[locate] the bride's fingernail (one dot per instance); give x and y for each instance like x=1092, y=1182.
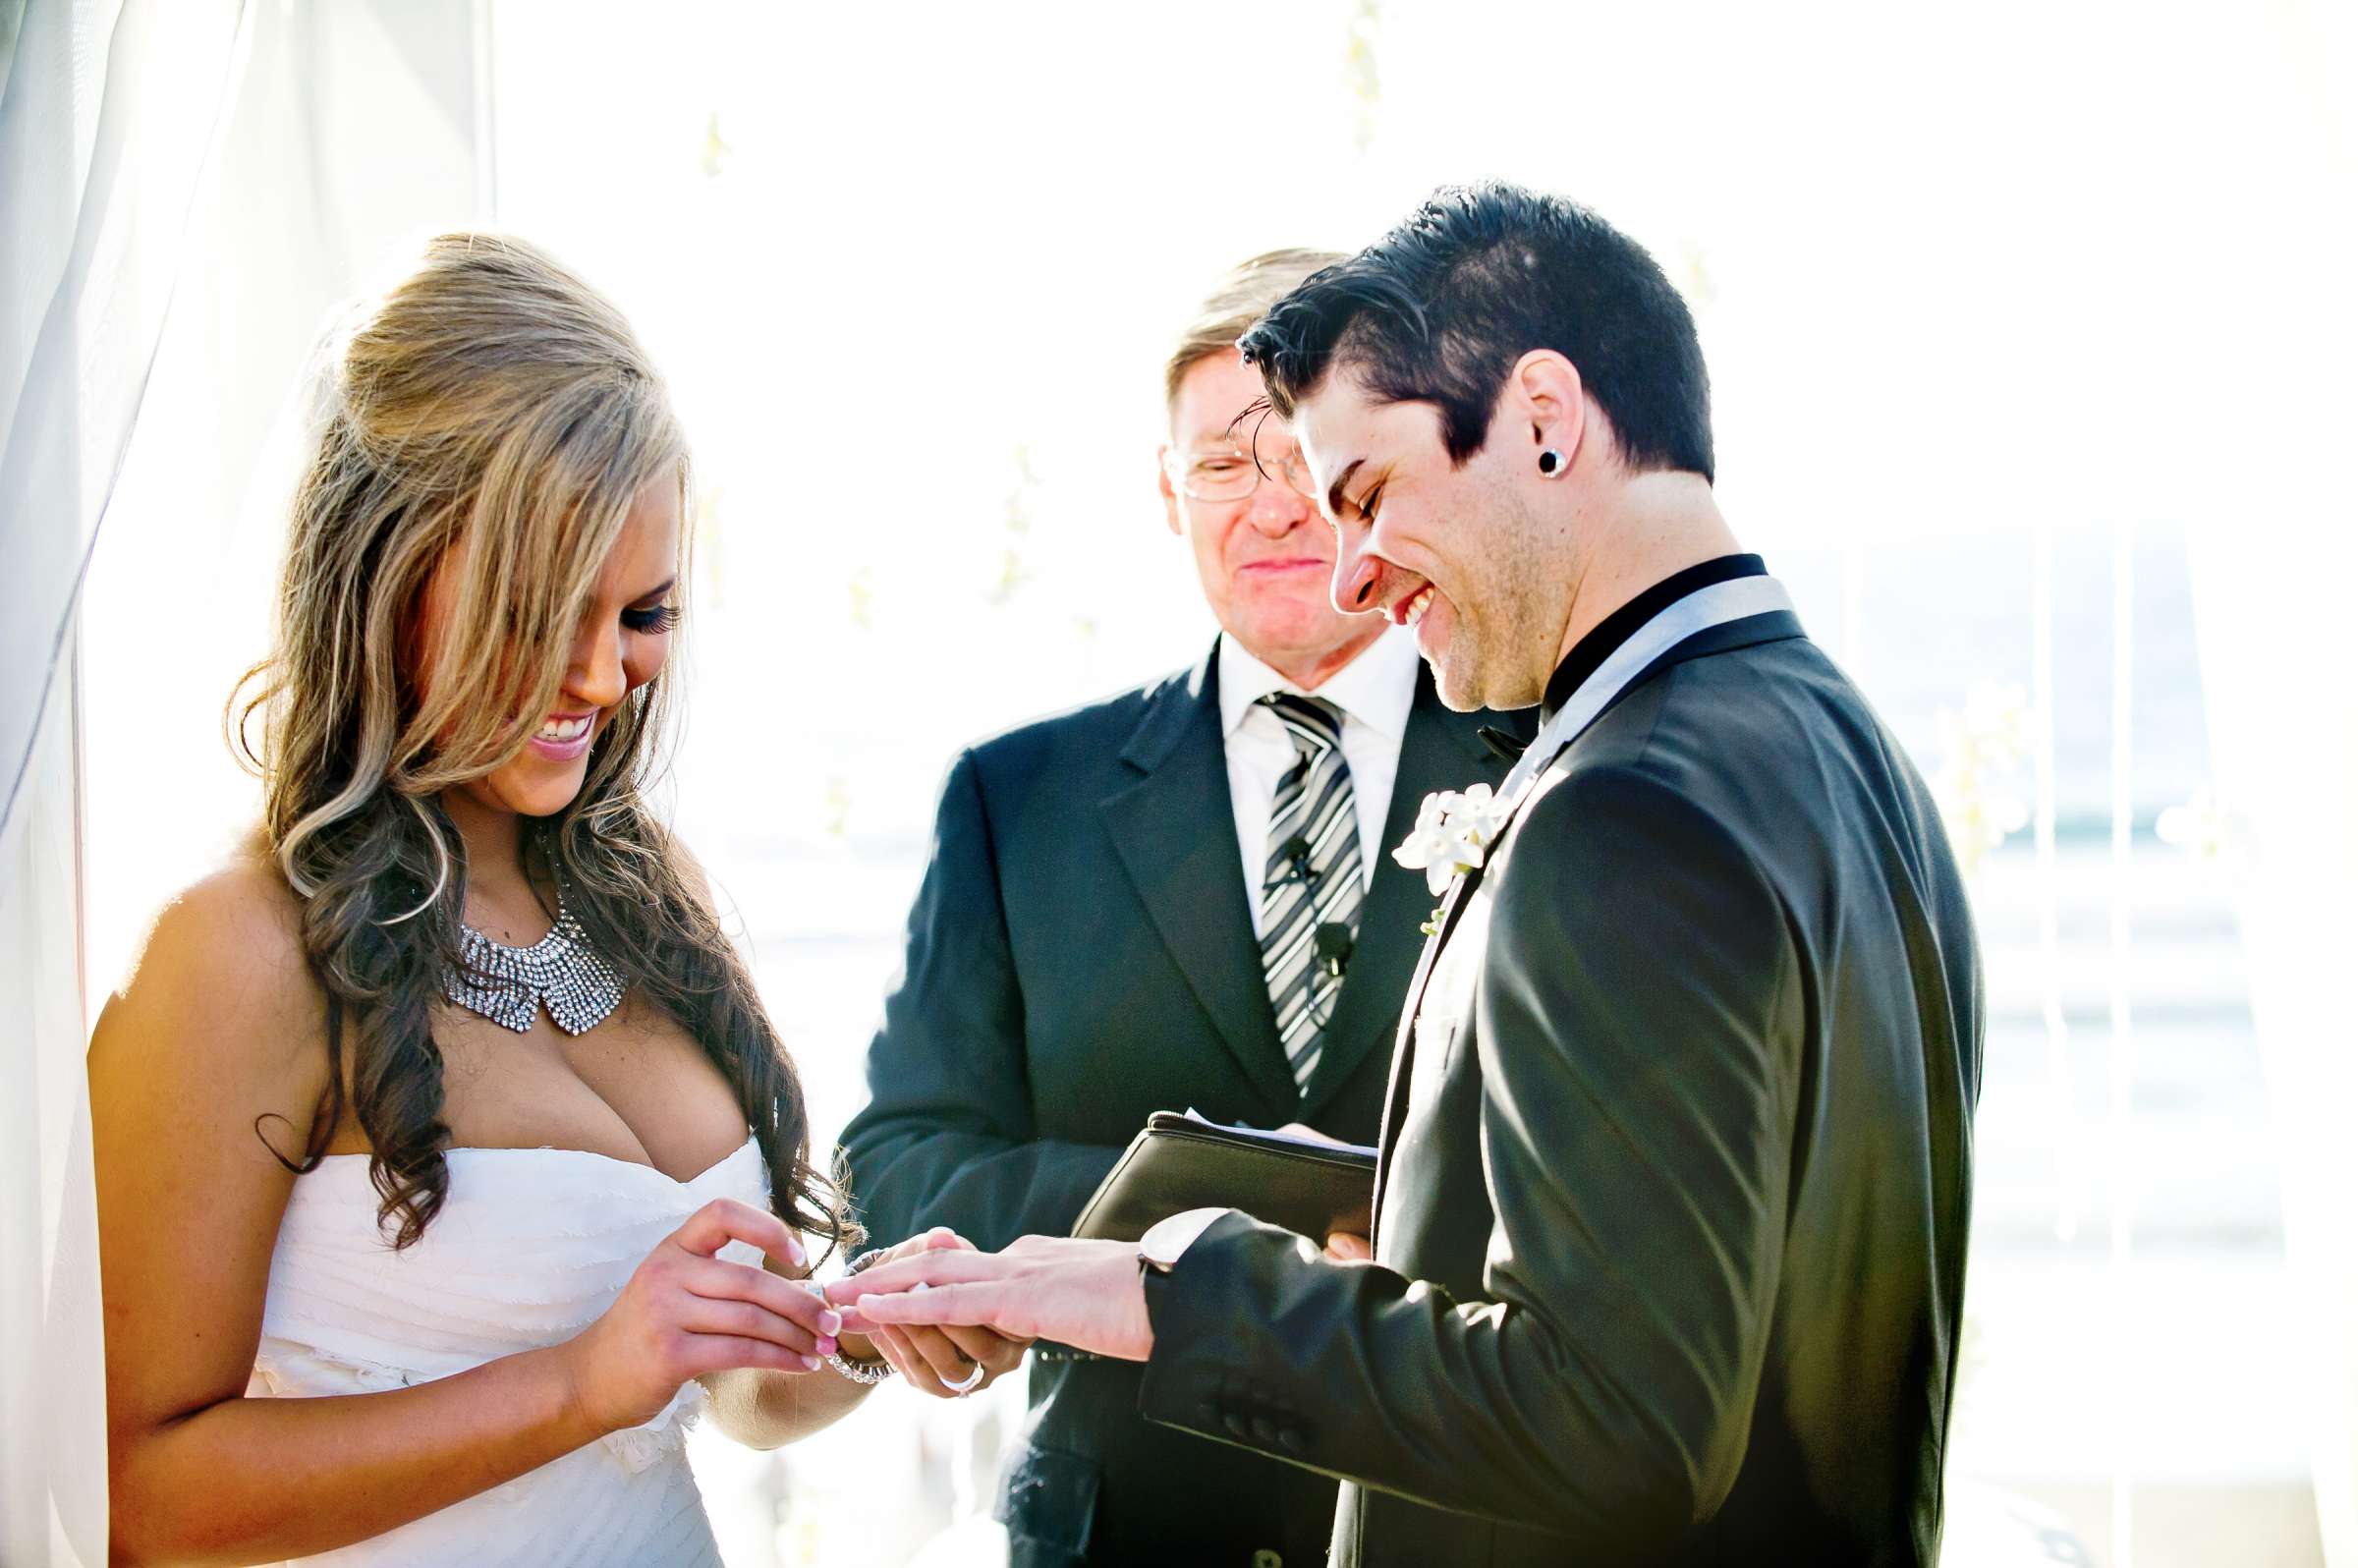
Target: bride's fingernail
x=796, y=1253
x=830, y=1322
x=810, y=1364
x=826, y=1344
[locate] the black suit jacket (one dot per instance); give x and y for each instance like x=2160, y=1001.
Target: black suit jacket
x=1672, y=1212
x=1079, y=955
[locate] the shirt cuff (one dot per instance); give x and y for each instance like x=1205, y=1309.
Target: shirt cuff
x=1166, y=1239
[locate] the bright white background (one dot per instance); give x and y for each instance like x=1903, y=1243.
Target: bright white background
x=1963, y=279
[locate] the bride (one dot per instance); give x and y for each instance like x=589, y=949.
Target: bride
x=442, y=1136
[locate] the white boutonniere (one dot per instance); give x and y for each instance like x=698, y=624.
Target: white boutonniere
x=1454, y=829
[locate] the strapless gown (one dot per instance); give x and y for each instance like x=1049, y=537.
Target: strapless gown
x=531, y=1246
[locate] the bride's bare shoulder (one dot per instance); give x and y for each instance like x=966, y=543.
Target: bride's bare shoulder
x=222, y=969
x=238, y=923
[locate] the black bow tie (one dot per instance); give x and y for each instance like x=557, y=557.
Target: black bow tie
x=1504, y=745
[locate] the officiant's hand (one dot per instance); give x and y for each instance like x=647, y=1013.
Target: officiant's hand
x=1086, y=1294
x=1343, y=1246
x=936, y=1361
x=1349, y=1247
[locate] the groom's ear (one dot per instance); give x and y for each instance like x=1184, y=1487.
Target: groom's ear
x=1544, y=399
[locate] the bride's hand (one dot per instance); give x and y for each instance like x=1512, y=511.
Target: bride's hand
x=935, y=1361
x=686, y=1313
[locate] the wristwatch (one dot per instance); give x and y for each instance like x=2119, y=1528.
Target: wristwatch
x=1159, y=1248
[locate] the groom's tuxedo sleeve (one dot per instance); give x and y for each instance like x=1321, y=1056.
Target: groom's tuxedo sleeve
x=948, y=1138
x=1638, y=1019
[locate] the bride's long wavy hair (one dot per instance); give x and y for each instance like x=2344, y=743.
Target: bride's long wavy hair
x=493, y=404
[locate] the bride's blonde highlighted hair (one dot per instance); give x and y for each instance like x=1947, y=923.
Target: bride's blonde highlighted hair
x=492, y=405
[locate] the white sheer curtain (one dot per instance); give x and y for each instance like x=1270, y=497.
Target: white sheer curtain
x=2275, y=560
x=187, y=185
x=108, y=115
x=2273, y=629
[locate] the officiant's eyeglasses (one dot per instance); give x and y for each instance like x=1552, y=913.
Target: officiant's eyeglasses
x=1231, y=475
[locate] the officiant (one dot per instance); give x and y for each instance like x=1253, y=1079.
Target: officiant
x=1181, y=897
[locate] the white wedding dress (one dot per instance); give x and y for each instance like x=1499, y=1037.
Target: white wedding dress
x=531, y=1246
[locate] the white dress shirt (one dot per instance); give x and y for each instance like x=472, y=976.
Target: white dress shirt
x=1375, y=691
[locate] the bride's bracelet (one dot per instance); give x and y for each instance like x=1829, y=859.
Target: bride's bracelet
x=860, y=1372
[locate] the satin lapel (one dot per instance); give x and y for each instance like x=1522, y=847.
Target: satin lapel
x=1404, y=1044
x=1774, y=626
x=1404, y=1040
x=1440, y=751
x=1176, y=834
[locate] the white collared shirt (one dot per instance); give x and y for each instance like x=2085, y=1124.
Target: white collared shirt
x=1375, y=691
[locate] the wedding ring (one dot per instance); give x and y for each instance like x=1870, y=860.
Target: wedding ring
x=967, y=1384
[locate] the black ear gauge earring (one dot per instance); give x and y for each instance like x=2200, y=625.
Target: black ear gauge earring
x=1552, y=463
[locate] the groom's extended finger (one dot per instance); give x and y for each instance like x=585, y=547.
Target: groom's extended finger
x=972, y=1306
x=722, y=1280
x=725, y=1219
x=935, y=1267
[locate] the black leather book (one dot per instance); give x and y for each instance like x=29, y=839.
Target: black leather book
x=1181, y=1162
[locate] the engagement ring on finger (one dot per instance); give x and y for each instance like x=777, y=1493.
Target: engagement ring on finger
x=967, y=1384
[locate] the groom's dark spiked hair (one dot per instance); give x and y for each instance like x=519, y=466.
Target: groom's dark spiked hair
x=1439, y=309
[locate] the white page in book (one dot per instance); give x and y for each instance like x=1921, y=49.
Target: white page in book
x=1280, y=1135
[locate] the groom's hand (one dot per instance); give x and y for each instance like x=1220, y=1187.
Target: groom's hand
x=940, y=1361
x=1086, y=1294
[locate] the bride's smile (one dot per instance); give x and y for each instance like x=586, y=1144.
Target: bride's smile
x=448, y=1161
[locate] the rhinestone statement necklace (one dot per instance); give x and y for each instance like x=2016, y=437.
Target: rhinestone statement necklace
x=509, y=985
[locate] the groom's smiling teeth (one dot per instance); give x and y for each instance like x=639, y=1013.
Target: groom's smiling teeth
x=1418, y=603
x=562, y=730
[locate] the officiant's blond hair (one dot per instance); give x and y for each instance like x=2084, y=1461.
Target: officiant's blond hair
x=1241, y=297
x=493, y=417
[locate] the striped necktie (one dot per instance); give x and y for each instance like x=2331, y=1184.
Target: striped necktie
x=1311, y=879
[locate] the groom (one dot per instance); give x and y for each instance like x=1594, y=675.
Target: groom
x=1671, y=1216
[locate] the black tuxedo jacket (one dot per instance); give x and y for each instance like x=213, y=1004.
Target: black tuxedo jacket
x=1079, y=955
x=1670, y=1239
